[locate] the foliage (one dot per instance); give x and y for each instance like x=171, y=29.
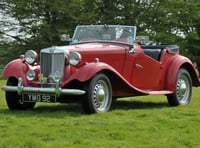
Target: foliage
x=41, y=22
x=9, y=52
x=133, y=122
x=37, y=24
x=193, y=36
x=34, y=24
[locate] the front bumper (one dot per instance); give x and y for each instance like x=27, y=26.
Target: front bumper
x=57, y=90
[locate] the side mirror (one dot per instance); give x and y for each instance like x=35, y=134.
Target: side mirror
x=65, y=37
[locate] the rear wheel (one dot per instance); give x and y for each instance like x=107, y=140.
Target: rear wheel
x=13, y=100
x=183, y=89
x=98, y=96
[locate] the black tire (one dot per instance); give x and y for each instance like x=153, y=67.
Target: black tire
x=183, y=89
x=13, y=100
x=98, y=96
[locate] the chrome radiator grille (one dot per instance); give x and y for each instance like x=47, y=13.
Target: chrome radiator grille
x=52, y=64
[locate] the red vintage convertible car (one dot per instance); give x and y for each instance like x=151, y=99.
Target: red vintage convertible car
x=103, y=62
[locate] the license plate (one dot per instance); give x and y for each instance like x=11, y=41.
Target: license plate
x=35, y=97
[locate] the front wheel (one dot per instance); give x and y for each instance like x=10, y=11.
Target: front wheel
x=98, y=96
x=183, y=89
x=13, y=100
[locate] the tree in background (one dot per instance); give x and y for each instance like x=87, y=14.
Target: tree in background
x=36, y=24
x=193, y=37
x=40, y=23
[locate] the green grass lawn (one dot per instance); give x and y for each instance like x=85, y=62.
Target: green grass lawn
x=133, y=122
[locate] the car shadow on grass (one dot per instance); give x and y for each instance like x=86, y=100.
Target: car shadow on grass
x=47, y=110
x=75, y=110
x=128, y=105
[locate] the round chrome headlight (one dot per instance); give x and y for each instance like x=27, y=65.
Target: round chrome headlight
x=31, y=56
x=74, y=58
x=30, y=75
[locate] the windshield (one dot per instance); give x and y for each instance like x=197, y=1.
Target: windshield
x=116, y=33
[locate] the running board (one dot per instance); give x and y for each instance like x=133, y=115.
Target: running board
x=162, y=92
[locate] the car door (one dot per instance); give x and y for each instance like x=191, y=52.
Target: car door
x=147, y=73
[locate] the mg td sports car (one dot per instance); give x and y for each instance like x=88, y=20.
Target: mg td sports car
x=101, y=63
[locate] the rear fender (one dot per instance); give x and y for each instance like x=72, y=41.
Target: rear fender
x=173, y=68
x=17, y=69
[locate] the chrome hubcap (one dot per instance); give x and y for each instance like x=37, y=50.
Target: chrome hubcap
x=101, y=95
x=183, y=89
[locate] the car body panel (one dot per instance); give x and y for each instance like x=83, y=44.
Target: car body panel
x=116, y=78
x=17, y=69
x=176, y=63
x=139, y=72
x=146, y=71
x=91, y=51
x=132, y=69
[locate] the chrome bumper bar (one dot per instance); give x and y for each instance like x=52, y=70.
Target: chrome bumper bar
x=57, y=90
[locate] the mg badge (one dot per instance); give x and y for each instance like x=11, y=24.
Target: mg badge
x=40, y=77
x=52, y=49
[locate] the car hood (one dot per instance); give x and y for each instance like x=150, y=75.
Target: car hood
x=109, y=53
x=85, y=48
x=103, y=47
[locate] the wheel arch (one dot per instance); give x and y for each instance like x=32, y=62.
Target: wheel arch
x=192, y=72
x=173, y=68
x=13, y=79
x=13, y=100
x=120, y=86
x=16, y=69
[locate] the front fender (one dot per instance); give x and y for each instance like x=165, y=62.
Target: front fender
x=173, y=68
x=17, y=69
x=87, y=71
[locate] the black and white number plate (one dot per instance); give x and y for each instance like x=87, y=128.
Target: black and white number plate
x=37, y=97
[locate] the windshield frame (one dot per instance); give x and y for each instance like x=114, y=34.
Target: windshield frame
x=106, y=41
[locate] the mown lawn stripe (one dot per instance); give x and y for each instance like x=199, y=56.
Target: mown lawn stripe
x=132, y=122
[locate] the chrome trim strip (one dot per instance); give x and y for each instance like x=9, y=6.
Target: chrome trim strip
x=58, y=91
